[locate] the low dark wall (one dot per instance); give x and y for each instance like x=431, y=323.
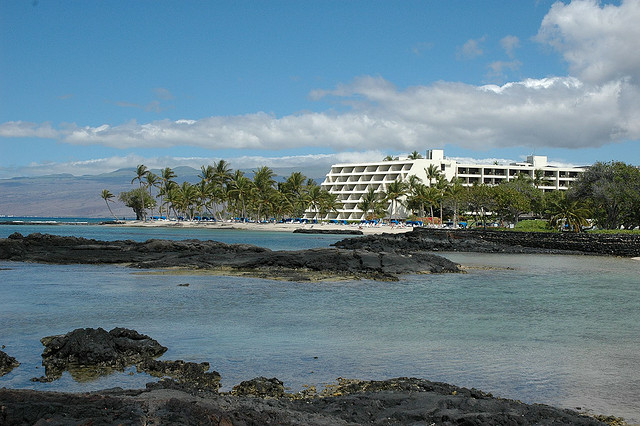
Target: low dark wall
x=627, y=245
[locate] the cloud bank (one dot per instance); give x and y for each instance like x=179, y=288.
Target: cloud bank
x=314, y=165
x=597, y=104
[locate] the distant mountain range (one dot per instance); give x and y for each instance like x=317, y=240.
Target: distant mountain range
x=65, y=195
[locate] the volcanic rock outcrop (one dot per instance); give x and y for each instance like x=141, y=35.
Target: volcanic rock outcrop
x=92, y=352
x=491, y=241
x=7, y=363
x=402, y=401
x=243, y=259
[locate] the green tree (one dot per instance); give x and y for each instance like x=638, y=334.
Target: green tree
x=185, y=199
x=294, y=188
x=328, y=203
x=455, y=196
x=240, y=189
x=613, y=190
x=370, y=204
x=480, y=201
x=141, y=172
x=152, y=181
x=568, y=213
x=442, y=186
x=207, y=173
x=433, y=173
x=314, y=198
x=264, y=186
x=395, y=190
x=415, y=155
x=222, y=172
x=166, y=180
x=390, y=158
x=139, y=200
x=107, y=196
x=538, y=178
x=516, y=197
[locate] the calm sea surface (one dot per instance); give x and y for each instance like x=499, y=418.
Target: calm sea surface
x=560, y=330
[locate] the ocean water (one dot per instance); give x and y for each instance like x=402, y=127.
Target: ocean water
x=559, y=330
x=89, y=228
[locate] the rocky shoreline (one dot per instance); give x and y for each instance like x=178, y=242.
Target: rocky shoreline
x=231, y=259
x=491, y=241
x=188, y=394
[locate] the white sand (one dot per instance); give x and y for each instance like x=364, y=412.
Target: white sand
x=283, y=227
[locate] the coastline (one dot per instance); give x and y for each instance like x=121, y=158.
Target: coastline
x=270, y=227
x=289, y=227
x=188, y=393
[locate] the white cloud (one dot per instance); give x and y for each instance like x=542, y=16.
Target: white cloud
x=162, y=93
x=471, y=49
x=509, y=44
x=23, y=129
x=600, y=43
x=597, y=106
x=312, y=164
x=419, y=48
x=551, y=112
x=497, y=69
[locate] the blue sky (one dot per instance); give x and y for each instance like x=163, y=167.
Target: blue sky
x=92, y=86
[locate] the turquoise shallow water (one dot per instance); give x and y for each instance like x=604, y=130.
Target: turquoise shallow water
x=561, y=330
x=264, y=238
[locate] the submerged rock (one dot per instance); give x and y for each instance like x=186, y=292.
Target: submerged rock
x=194, y=376
x=96, y=352
x=7, y=363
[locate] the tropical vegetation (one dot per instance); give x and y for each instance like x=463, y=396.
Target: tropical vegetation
x=224, y=193
x=606, y=196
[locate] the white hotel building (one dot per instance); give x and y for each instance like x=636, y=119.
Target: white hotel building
x=351, y=181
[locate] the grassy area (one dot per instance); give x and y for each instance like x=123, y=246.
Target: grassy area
x=533, y=226
x=615, y=231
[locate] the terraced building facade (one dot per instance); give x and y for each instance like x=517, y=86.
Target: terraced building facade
x=351, y=181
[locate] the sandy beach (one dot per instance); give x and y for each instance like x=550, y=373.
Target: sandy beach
x=281, y=227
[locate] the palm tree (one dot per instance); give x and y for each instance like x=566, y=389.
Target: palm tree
x=415, y=155
x=152, y=182
x=141, y=172
x=107, y=197
x=222, y=172
x=240, y=189
x=187, y=199
x=395, y=190
x=294, y=188
x=280, y=204
x=414, y=189
x=570, y=213
x=390, y=158
x=170, y=194
x=263, y=187
x=206, y=173
x=433, y=173
x=370, y=202
x=314, y=198
x=455, y=193
x=329, y=203
x=442, y=184
x=432, y=197
x=539, y=178
x=166, y=176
